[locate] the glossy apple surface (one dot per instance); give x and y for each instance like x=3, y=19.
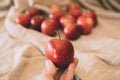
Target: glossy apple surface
x=23, y=20
x=56, y=15
x=72, y=31
x=32, y=12
x=67, y=19
x=36, y=22
x=92, y=15
x=86, y=23
x=60, y=52
x=49, y=26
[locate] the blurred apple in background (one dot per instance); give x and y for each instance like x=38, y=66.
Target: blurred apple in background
x=86, y=23
x=73, y=6
x=32, y=12
x=60, y=52
x=92, y=15
x=23, y=20
x=75, y=13
x=56, y=15
x=67, y=19
x=55, y=7
x=72, y=31
x=36, y=22
x=49, y=26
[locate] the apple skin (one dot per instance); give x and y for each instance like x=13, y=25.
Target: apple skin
x=60, y=52
x=49, y=26
x=23, y=20
x=86, y=23
x=55, y=7
x=32, y=12
x=92, y=15
x=36, y=22
x=72, y=31
x=56, y=15
x=73, y=6
x=67, y=19
x=75, y=13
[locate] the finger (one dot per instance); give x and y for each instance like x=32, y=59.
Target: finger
x=50, y=68
x=69, y=73
x=71, y=69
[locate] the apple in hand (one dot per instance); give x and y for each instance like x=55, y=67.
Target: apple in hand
x=49, y=26
x=23, y=20
x=86, y=23
x=72, y=31
x=32, y=12
x=36, y=22
x=60, y=52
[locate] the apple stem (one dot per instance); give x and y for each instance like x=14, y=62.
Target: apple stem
x=58, y=34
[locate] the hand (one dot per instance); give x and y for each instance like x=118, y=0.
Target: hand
x=50, y=72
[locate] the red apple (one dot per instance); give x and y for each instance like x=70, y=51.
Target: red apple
x=60, y=52
x=92, y=15
x=75, y=13
x=67, y=19
x=86, y=23
x=56, y=15
x=72, y=31
x=49, y=26
x=23, y=20
x=55, y=7
x=73, y=6
x=32, y=12
x=36, y=22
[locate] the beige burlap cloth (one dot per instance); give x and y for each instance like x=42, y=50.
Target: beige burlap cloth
x=22, y=50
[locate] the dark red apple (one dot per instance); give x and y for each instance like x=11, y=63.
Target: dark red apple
x=36, y=22
x=72, y=31
x=32, y=12
x=56, y=15
x=92, y=15
x=49, y=26
x=60, y=52
x=55, y=7
x=75, y=13
x=23, y=20
x=86, y=23
x=67, y=19
x=73, y=6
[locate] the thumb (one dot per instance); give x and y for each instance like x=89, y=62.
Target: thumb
x=49, y=69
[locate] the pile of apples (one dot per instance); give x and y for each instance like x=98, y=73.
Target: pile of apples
x=72, y=21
